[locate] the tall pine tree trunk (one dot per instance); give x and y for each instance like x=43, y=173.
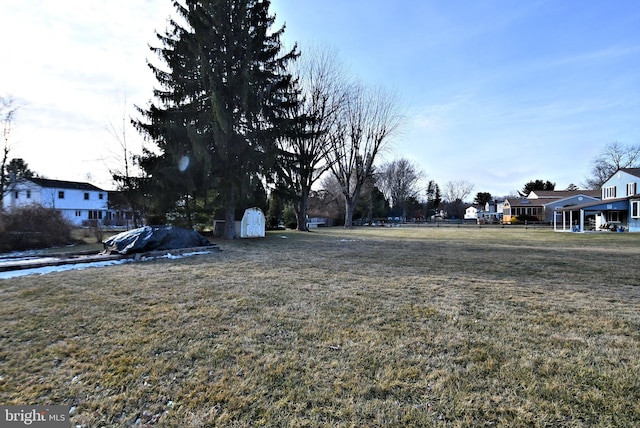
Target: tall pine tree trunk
x=229, y=223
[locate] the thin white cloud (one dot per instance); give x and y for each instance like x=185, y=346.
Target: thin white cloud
x=596, y=56
x=441, y=116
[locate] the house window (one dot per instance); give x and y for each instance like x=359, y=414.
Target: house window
x=61, y=194
x=78, y=213
x=635, y=209
x=631, y=189
x=28, y=194
x=86, y=196
x=95, y=215
x=16, y=194
x=100, y=196
x=609, y=192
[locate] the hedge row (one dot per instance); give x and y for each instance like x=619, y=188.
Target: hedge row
x=33, y=227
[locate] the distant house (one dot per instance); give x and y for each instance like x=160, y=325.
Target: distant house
x=491, y=211
x=120, y=213
x=619, y=208
x=552, y=200
x=520, y=208
x=80, y=203
x=552, y=208
x=315, y=222
x=542, y=205
x=496, y=207
x=562, y=194
x=471, y=212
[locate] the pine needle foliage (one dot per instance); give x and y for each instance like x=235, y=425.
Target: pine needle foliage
x=222, y=88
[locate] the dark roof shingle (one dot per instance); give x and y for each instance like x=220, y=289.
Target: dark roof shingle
x=632, y=171
x=60, y=184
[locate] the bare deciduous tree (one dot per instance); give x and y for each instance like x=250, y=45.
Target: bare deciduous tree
x=126, y=175
x=457, y=190
x=304, y=150
x=369, y=119
x=399, y=180
x=8, y=108
x=329, y=201
x=455, y=193
x=612, y=157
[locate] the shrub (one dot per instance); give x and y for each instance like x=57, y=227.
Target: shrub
x=290, y=219
x=293, y=224
x=522, y=218
x=34, y=227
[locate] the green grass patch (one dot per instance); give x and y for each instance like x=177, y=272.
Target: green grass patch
x=456, y=327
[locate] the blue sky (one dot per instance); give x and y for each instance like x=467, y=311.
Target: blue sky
x=496, y=93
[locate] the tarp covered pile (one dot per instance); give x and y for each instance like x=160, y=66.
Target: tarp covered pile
x=152, y=238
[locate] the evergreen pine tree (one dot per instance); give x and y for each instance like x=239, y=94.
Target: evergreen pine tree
x=223, y=90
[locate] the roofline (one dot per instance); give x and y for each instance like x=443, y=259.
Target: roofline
x=529, y=203
x=595, y=203
x=631, y=171
x=64, y=184
x=573, y=196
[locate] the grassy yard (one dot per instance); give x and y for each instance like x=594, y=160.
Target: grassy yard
x=450, y=327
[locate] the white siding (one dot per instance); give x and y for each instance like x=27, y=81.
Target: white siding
x=618, y=184
x=72, y=203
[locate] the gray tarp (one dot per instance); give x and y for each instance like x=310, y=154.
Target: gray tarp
x=150, y=238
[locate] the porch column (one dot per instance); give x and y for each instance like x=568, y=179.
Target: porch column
x=581, y=220
x=571, y=220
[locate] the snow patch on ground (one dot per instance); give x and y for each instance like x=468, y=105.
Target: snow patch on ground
x=80, y=266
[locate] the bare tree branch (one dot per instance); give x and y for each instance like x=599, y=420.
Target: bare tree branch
x=369, y=121
x=304, y=151
x=613, y=157
x=457, y=190
x=399, y=180
x=8, y=108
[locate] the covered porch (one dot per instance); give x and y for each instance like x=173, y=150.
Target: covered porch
x=611, y=215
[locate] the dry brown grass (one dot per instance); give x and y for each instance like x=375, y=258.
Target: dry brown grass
x=456, y=327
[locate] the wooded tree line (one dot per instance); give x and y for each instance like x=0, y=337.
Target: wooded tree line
x=235, y=113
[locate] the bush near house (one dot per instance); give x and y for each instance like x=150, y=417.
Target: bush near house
x=290, y=218
x=33, y=227
x=522, y=218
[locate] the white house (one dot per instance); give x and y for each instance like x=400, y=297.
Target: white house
x=491, y=211
x=80, y=203
x=472, y=212
x=619, y=208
